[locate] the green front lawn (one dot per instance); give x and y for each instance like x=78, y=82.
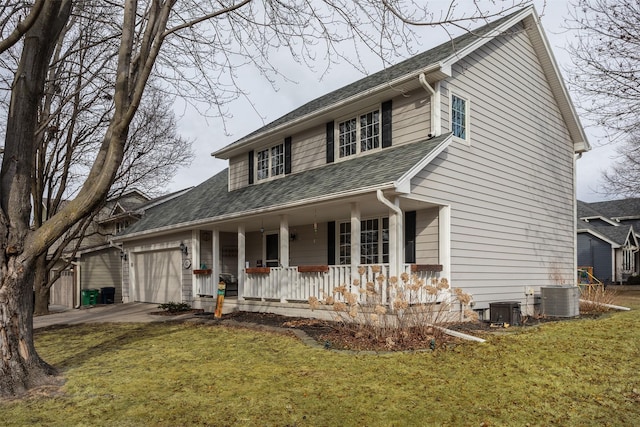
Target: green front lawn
x=573, y=373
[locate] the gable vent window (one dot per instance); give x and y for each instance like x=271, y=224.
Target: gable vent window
x=359, y=134
x=270, y=162
x=459, y=119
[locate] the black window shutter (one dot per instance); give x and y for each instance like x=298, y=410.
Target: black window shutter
x=331, y=243
x=410, y=237
x=287, y=155
x=386, y=124
x=250, y=167
x=330, y=148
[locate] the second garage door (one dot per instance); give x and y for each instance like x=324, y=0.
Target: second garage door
x=158, y=277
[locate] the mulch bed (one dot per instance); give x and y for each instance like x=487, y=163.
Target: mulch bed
x=336, y=335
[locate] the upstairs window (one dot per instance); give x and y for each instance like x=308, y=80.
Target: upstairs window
x=459, y=120
x=270, y=162
x=359, y=134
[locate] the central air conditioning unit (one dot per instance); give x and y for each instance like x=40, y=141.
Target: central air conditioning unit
x=560, y=301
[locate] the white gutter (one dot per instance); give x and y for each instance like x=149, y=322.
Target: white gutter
x=237, y=215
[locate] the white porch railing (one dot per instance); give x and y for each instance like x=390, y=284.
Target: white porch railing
x=288, y=284
x=205, y=285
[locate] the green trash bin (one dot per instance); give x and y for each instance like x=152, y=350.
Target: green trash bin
x=90, y=296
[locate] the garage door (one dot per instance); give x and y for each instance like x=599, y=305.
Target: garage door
x=158, y=277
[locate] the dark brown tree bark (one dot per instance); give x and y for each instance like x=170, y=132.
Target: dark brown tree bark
x=20, y=366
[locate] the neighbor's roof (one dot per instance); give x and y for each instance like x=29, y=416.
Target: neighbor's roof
x=440, y=58
x=211, y=200
x=615, y=235
x=623, y=208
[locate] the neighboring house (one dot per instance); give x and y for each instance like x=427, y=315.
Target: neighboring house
x=98, y=263
x=608, y=239
x=457, y=163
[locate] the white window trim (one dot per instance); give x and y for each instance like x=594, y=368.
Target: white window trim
x=380, y=243
x=256, y=162
x=356, y=115
x=467, y=115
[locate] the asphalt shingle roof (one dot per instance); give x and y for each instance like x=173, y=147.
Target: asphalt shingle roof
x=615, y=234
x=406, y=67
x=617, y=208
x=211, y=199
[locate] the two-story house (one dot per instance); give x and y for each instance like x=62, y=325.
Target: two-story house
x=608, y=239
x=458, y=162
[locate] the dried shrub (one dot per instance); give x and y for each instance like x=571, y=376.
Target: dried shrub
x=594, y=299
x=395, y=313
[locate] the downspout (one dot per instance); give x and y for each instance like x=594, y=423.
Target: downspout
x=434, y=93
x=576, y=157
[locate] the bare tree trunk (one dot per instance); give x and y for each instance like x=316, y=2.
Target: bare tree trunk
x=20, y=366
x=41, y=286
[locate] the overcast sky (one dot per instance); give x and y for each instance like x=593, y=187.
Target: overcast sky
x=208, y=135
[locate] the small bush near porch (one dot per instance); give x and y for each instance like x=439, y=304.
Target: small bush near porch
x=577, y=372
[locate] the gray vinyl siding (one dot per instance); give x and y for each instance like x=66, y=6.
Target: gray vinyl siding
x=596, y=253
x=511, y=189
x=427, y=237
x=411, y=117
x=228, y=261
x=309, y=248
x=411, y=122
x=253, y=249
x=308, y=149
x=102, y=269
x=238, y=172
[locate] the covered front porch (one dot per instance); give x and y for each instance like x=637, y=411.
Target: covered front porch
x=285, y=257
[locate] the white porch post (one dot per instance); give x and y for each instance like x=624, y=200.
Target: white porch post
x=396, y=239
x=355, y=240
x=284, y=240
x=444, y=239
x=393, y=244
x=241, y=261
x=284, y=256
x=195, y=259
x=215, y=254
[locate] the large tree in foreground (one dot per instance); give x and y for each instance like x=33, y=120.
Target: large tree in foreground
x=201, y=42
x=606, y=77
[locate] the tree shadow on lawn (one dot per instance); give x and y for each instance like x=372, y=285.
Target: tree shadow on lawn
x=76, y=336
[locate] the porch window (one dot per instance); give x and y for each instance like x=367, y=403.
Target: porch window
x=270, y=162
x=459, y=117
x=365, y=129
x=374, y=241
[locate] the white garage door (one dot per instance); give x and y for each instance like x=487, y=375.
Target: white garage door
x=158, y=277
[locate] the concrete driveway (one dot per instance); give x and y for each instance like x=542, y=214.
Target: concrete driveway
x=135, y=312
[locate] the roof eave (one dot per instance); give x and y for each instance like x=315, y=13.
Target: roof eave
x=434, y=72
x=258, y=211
x=403, y=184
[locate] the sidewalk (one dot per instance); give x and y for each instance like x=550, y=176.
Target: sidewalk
x=131, y=313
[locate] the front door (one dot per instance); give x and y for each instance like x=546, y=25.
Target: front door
x=271, y=248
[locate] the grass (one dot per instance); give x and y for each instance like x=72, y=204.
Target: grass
x=574, y=373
